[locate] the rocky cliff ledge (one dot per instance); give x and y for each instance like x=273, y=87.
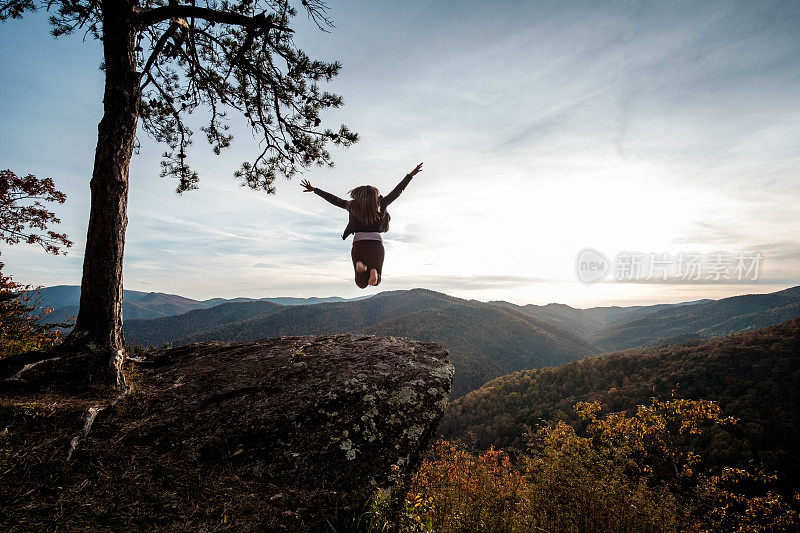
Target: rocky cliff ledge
x=299, y=424
x=321, y=411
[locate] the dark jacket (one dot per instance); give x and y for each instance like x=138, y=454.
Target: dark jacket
x=354, y=225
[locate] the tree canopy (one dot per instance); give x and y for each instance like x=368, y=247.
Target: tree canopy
x=23, y=216
x=224, y=56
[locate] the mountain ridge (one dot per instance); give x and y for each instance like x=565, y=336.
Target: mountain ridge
x=496, y=341
x=478, y=333
x=715, y=318
x=138, y=305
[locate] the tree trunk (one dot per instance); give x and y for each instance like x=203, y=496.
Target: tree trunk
x=99, y=324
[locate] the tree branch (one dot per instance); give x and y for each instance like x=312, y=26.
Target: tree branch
x=157, y=50
x=154, y=16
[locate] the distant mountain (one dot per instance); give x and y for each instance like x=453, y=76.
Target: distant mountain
x=755, y=376
x=143, y=305
x=585, y=322
x=619, y=328
x=64, y=295
x=707, y=319
x=135, y=304
x=342, y=317
x=485, y=340
x=163, y=330
x=288, y=300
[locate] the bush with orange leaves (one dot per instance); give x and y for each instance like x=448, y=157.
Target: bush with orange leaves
x=455, y=490
x=632, y=473
x=728, y=503
x=24, y=218
x=21, y=328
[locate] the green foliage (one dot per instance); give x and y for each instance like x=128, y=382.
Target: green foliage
x=370, y=517
x=577, y=484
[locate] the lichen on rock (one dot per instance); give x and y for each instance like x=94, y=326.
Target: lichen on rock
x=356, y=409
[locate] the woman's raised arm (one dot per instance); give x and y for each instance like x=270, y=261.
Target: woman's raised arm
x=332, y=198
x=392, y=196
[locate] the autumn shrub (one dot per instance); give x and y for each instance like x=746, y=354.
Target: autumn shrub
x=455, y=490
x=620, y=472
x=574, y=485
x=25, y=218
x=21, y=313
x=745, y=501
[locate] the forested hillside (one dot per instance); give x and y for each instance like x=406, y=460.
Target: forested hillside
x=715, y=318
x=754, y=376
x=258, y=319
x=342, y=317
x=585, y=322
x=158, y=331
x=487, y=341
x=609, y=328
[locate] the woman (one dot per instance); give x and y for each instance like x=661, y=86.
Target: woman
x=368, y=219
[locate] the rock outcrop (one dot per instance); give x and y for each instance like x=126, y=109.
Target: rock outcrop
x=281, y=433
x=276, y=434
x=335, y=411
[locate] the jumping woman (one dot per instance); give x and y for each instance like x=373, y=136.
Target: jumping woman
x=368, y=219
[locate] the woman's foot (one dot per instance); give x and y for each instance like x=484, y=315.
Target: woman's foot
x=373, y=277
x=361, y=267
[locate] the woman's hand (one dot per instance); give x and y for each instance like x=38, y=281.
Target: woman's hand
x=416, y=170
x=307, y=185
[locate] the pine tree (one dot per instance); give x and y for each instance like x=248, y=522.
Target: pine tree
x=162, y=60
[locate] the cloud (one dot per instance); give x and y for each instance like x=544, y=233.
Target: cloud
x=476, y=282
x=199, y=227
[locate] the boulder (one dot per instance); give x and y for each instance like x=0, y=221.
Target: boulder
x=288, y=434
x=340, y=412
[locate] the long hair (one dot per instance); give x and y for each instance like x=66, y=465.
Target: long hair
x=364, y=204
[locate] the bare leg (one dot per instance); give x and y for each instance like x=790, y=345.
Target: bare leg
x=373, y=277
x=361, y=267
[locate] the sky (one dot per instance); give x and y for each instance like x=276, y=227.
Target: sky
x=638, y=130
